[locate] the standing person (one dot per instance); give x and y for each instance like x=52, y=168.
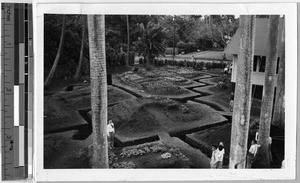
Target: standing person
x=256, y=134
x=231, y=102
x=252, y=153
x=220, y=155
x=270, y=149
x=269, y=145
x=226, y=70
x=111, y=133
x=213, y=162
x=224, y=56
x=230, y=68
x=194, y=60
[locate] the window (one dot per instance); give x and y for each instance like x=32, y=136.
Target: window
x=277, y=67
x=255, y=61
x=262, y=64
x=257, y=91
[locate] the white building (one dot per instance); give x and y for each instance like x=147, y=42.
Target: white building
x=260, y=53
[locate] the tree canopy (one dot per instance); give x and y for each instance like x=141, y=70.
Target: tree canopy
x=188, y=33
x=150, y=44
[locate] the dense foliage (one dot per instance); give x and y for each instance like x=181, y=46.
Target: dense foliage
x=150, y=36
x=150, y=44
x=71, y=49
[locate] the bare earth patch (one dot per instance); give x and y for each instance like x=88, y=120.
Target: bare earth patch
x=59, y=115
x=61, y=109
x=167, y=81
x=145, y=117
x=80, y=98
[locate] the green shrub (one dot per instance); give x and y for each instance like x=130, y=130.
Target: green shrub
x=186, y=47
x=199, y=66
x=141, y=61
x=208, y=65
x=169, y=51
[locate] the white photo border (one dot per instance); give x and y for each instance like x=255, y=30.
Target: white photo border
x=287, y=9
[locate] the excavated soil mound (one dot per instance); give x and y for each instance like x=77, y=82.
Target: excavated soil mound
x=146, y=117
x=80, y=96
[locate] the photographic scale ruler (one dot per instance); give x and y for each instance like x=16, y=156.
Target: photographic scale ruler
x=16, y=90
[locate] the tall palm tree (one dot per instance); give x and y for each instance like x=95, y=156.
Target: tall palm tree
x=150, y=44
x=242, y=99
x=96, y=32
x=128, y=41
x=263, y=156
x=83, y=28
x=279, y=110
x=60, y=48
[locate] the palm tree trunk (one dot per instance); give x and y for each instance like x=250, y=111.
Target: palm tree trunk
x=81, y=51
x=128, y=42
x=263, y=158
x=242, y=99
x=60, y=47
x=147, y=57
x=174, y=42
x=96, y=30
x=279, y=111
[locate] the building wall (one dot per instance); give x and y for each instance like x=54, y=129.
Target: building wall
x=257, y=78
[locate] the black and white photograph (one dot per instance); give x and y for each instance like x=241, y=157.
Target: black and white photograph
x=174, y=91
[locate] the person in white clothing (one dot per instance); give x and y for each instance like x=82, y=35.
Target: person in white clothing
x=213, y=162
x=252, y=153
x=193, y=58
x=226, y=69
x=110, y=133
x=220, y=155
x=256, y=135
x=270, y=148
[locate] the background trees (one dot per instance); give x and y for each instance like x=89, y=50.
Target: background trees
x=192, y=33
x=213, y=31
x=58, y=54
x=128, y=41
x=70, y=53
x=150, y=44
x=83, y=21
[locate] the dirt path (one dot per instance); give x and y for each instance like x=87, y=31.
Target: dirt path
x=198, y=159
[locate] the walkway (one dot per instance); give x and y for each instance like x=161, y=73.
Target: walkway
x=203, y=56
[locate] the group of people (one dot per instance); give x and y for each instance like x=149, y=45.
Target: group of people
x=254, y=148
x=217, y=156
x=218, y=152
